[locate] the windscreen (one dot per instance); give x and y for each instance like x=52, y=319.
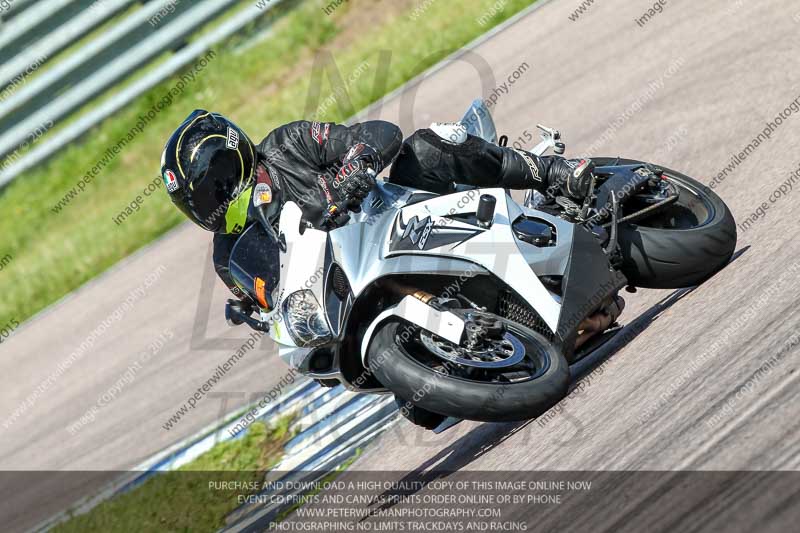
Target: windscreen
x=255, y=266
x=478, y=121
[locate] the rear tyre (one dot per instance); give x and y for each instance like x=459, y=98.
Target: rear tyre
x=520, y=392
x=682, y=246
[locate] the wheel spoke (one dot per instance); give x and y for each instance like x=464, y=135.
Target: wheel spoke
x=497, y=355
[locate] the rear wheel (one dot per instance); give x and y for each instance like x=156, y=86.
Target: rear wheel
x=682, y=245
x=516, y=375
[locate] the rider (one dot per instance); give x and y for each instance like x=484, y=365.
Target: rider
x=223, y=182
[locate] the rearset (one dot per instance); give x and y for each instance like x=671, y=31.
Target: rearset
x=551, y=138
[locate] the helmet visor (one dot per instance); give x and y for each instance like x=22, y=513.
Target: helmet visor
x=219, y=189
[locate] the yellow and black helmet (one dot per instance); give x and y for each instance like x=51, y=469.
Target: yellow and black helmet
x=208, y=166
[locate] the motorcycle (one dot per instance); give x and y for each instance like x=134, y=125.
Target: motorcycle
x=474, y=305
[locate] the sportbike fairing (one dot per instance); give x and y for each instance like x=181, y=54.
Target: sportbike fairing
x=402, y=231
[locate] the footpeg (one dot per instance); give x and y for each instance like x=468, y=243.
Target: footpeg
x=570, y=208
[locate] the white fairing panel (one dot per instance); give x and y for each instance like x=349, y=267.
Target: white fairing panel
x=302, y=265
x=496, y=249
x=292, y=355
x=445, y=324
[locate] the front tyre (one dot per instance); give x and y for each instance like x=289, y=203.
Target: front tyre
x=439, y=377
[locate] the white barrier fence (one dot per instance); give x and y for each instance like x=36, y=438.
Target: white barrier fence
x=123, y=48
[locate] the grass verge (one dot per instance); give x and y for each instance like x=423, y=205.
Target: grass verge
x=184, y=500
x=260, y=88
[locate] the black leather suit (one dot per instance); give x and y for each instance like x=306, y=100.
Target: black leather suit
x=298, y=154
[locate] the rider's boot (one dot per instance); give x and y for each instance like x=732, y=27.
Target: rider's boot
x=550, y=175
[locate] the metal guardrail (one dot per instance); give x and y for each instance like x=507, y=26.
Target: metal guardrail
x=99, y=65
x=29, y=25
x=67, y=33
x=13, y=9
x=112, y=72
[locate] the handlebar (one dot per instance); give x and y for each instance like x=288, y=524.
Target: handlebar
x=336, y=214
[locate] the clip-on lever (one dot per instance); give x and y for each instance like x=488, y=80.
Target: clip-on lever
x=236, y=314
x=336, y=215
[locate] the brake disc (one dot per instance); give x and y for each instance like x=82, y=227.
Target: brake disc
x=494, y=354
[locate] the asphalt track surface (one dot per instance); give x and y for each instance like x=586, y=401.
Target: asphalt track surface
x=709, y=75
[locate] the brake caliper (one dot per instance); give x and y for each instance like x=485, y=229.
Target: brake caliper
x=480, y=327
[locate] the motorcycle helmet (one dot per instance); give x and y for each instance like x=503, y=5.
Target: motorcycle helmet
x=208, y=166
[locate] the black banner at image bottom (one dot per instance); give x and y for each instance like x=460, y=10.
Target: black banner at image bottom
x=430, y=501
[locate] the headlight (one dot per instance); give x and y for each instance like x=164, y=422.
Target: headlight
x=305, y=320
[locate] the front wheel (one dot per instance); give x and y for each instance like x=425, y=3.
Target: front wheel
x=516, y=376
x=682, y=245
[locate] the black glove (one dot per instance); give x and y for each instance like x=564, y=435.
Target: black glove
x=352, y=183
x=569, y=177
x=356, y=178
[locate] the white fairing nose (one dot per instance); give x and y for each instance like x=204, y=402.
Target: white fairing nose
x=292, y=356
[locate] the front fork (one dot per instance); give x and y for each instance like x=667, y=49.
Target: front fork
x=475, y=327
